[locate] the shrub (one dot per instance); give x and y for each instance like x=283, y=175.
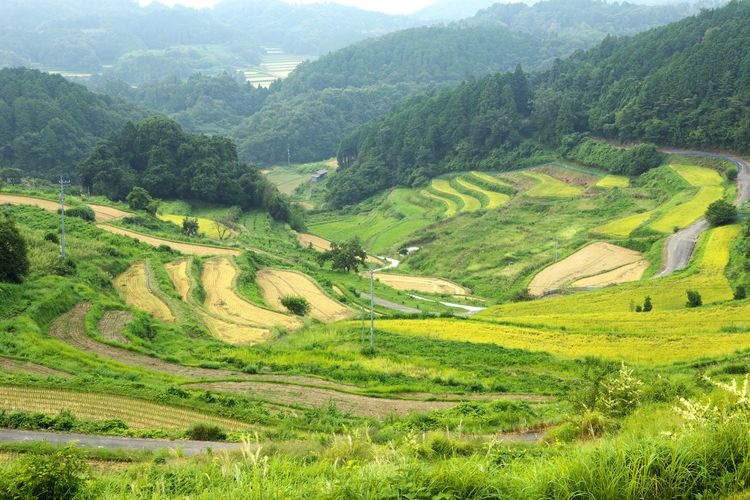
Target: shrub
x=206, y=432
x=647, y=306
x=138, y=198
x=60, y=475
x=190, y=227
x=720, y=212
x=52, y=237
x=694, y=299
x=296, y=305
x=739, y=293
x=83, y=212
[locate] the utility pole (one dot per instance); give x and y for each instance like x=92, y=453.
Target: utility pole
x=62, y=215
x=288, y=157
x=372, y=312
x=555, y=249
x=363, y=326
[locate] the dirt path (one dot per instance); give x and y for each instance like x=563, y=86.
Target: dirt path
x=14, y=199
x=136, y=288
x=589, y=261
x=680, y=246
x=421, y=284
x=389, y=305
x=107, y=214
x=278, y=283
x=186, y=248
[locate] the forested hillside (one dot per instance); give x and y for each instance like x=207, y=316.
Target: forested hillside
x=425, y=58
x=687, y=84
x=48, y=124
x=157, y=155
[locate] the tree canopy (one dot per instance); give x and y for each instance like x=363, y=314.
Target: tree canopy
x=14, y=263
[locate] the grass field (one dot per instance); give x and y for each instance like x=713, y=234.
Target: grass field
x=137, y=414
x=613, y=181
x=210, y=228
x=547, y=186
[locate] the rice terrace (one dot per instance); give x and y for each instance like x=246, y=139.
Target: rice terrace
x=227, y=271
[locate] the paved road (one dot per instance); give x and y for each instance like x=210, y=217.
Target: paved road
x=390, y=305
x=113, y=442
x=680, y=246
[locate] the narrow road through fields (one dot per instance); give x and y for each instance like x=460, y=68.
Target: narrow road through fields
x=115, y=442
x=389, y=305
x=680, y=246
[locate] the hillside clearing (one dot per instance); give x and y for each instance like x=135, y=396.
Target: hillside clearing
x=589, y=261
x=186, y=248
x=613, y=181
x=278, y=283
x=209, y=227
x=136, y=287
x=421, y=284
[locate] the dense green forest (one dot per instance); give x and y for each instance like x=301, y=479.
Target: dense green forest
x=687, y=84
x=48, y=124
x=157, y=155
x=202, y=103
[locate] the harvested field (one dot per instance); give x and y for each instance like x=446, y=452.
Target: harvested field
x=624, y=274
x=28, y=200
x=178, y=271
x=591, y=260
x=223, y=302
x=136, y=413
x=421, y=284
x=232, y=332
x=613, y=181
x=135, y=287
x=365, y=406
x=549, y=187
x=625, y=226
x=112, y=325
x=318, y=243
x=186, y=248
x=17, y=366
x=106, y=214
x=277, y=283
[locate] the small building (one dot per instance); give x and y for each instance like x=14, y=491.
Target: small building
x=319, y=175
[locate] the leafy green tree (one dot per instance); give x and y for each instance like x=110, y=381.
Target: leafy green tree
x=190, y=227
x=138, y=198
x=14, y=261
x=647, y=306
x=720, y=213
x=346, y=256
x=740, y=293
x=694, y=299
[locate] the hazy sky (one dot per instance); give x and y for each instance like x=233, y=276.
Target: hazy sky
x=389, y=6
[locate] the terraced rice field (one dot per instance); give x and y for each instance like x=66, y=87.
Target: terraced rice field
x=136, y=287
x=590, y=261
x=490, y=199
x=444, y=188
x=624, y=274
x=136, y=413
x=112, y=325
x=179, y=272
x=17, y=366
x=686, y=213
x=490, y=179
x=450, y=204
x=613, y=181
x=186, y=248
x=318, y=243
x=421, y=284
x=623, y=227
x=223, y=302
x=278, y=283
x=210, y=228
x=547, y=186
x=106, y=214
x=698, y=176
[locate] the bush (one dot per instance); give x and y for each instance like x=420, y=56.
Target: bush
x=83, y=212
x=739, y=293
x=206, y=432
x=296, y=305
x=138, y=198
x=694, y=299
x=14, y=261
x=647, y=306
x=731, y=173
x=60, y=475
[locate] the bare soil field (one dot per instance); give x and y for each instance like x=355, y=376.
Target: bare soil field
x=277, y=283
x=16, y=366
x=106, y=214
x=186, y=248
x=14, y=199
x=318, y=243
x=178, y=273
x=421, y=284
x=134, y=287
x=624, y=274
x=591, y=260
x=219, y=275
x=112, y=325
